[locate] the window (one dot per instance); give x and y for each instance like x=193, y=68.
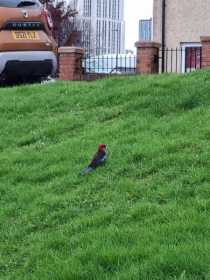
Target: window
x=117, y=9
x=98, y=8
x=104, y=8
x=114, y=9
x=109, y=39
x=105, y=37
x=113, y=38
x=191, y=56
x=110, y=8
x=87, y=8
x=119, y=37
x=99, y=36
x=86, y=29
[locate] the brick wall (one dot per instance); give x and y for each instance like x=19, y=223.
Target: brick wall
x=147, y=57
x=70, y=63
x=205, y=42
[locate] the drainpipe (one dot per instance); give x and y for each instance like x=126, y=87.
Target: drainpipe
x=163, y=33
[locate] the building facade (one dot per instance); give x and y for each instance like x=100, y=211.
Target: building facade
x=180, y=24
x=102, y=26
x=145, y=30
x=185, y=21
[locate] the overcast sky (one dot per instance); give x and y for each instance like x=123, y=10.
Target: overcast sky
x=135, y=10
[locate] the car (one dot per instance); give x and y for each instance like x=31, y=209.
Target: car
x=27, y=48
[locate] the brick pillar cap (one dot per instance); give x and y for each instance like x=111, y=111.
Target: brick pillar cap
x=205, y=39
x=147, y=44
x=71, y=50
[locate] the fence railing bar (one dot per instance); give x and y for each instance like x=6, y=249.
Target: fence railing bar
x=190, y=59
x=107, y=64
x=119, y=64
x=181, y=60
x=171, y=60
x=200, y=57
x=130, y=62
x=102, y=63
x=195, y=58
x=185, y=68
x=125, y=65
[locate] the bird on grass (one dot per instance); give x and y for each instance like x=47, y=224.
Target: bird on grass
x=99, y=159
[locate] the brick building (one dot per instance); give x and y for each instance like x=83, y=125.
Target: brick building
x=180, y=24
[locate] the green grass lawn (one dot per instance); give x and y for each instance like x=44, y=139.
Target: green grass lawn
x=145, y=215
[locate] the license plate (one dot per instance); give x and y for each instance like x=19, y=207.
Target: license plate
x=25, y=35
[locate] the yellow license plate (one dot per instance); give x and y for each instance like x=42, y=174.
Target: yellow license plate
x=25, y=35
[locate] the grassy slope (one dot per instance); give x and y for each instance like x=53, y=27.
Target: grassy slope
x=145, y=215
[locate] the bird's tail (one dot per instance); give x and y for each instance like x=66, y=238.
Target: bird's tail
x=86, y=170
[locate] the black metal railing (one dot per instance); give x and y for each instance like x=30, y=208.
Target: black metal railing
x=110, y=64
x=180, y=60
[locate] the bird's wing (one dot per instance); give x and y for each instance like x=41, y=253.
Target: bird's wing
x=98, y=159
x=104, y=158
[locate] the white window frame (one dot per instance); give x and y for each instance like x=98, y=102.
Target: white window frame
x=183, y=49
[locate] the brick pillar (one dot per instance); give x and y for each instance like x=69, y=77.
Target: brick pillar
x=147, y=61
x=70, y=63
x=205, y=55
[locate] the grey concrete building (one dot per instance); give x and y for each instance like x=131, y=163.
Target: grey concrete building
x=103, y=27
x=181, y=23
x=145, y=30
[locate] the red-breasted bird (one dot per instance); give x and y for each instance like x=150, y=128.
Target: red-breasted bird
x=99, y=159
